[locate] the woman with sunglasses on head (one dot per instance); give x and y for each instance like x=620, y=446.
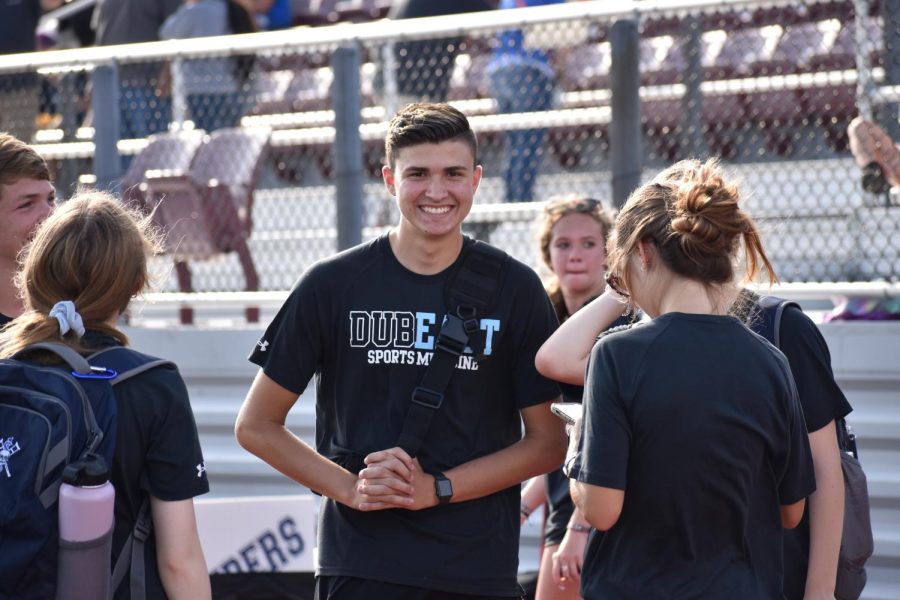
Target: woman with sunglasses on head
x=572, y=233
x=692, y=453
x=811, y=549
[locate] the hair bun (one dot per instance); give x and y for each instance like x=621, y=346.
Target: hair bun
x=706, y=216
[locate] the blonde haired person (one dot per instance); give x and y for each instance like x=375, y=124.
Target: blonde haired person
x=811, y=549
x=85, y=263
x=572, y=234
x=692, y=454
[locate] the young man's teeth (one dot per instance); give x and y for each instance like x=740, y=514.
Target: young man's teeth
x=436, y=210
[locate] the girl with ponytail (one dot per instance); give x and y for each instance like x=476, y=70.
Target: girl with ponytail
x=80, y=271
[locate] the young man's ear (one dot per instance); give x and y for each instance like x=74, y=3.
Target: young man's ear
x=477, y=176
x=388, y=177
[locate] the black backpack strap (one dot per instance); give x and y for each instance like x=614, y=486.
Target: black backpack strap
x=471, y=292
x=772, y=308
x=126, y=362
x=132, y=555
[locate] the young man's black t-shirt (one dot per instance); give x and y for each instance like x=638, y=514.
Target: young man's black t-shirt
x=157, y=453
x=365, y=327
x=697, y=419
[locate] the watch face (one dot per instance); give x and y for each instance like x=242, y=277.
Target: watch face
x=444, y=489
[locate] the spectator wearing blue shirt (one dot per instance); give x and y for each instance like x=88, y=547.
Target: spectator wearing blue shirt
x=522, y=80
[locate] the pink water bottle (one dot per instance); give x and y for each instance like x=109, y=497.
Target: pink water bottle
x=86, y=500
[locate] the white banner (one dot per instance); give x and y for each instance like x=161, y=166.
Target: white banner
x=257, y=533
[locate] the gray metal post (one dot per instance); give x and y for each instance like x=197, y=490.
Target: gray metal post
x=890, y=10
x=692, y=142
x=105, y=102
x=347, y=151
x=625, y=129
x=67, y=174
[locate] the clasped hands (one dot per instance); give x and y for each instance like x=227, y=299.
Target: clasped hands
x=393, y=479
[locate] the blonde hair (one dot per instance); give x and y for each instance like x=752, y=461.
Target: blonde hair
x=690, y=213
x=554, y=210
x=93, y=251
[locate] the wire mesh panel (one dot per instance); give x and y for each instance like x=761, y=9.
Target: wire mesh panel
x=772, y=89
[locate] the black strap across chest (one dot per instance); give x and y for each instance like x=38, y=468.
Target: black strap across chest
x=471, y=293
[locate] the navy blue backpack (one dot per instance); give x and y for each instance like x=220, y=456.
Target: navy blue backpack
x=50, y=415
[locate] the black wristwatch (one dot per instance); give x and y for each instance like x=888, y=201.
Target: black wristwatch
x=443, y=489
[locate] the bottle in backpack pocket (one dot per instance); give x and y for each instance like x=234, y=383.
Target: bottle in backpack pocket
x=86, y=501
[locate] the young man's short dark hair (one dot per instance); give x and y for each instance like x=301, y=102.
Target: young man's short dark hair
x=427, y=123
x=18, y=160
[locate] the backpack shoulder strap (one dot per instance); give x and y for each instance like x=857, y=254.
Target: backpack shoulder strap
x=77, y=362
x=772, y=309
x=471, y=292
x=478, y=279
x=132, y=555
x=126, y=362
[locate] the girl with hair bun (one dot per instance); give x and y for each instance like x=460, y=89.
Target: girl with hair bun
x=80, y=271
x=692, y=453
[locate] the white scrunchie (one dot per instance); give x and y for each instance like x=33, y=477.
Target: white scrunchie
x=69, y=319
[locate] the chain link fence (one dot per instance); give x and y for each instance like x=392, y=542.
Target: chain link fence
x=235, y=142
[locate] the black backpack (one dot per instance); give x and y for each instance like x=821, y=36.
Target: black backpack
x=50, y=416
x=857, y=544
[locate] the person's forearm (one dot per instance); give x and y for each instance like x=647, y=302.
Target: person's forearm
x=564, y=355
x=276, y=445
x=535, y=454
x=826, y=518
x=186, y=578
x=533, y=495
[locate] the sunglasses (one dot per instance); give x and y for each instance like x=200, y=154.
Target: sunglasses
x=582, y=205
x=613, y=281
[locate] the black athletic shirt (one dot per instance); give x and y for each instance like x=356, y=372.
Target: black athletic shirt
x=157, y=453
x=697, y=419
x=364, y=326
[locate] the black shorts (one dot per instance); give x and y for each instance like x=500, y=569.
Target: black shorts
x=353, y=588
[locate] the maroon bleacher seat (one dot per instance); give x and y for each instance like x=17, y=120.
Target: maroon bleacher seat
x=654, y=67
x=310, y=89
x=778, y=107
x=795, y=47
x=272, y=92
x=842, y=52
x=587, y=67
x=834, y=105
x=360, y=11
x=471, y=80
x=171, y=152
x=208, y=210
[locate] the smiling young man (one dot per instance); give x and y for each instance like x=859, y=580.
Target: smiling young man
x=26, y=198
x=445, y=523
